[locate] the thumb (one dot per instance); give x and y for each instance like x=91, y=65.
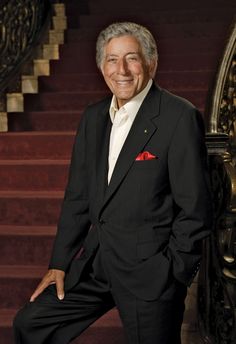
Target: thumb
x=60, y=287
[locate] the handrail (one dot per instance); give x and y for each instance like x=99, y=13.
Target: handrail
x=217, y=276
x=21, y=23
x=223, y=72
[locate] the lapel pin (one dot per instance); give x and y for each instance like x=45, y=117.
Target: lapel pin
x=145, y=131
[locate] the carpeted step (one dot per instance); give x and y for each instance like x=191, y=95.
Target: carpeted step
x=161, y=31
x=36, y=145
x=124, y=6
x=69, y=101
x=23, y=208
x=102, y=331
x=72, y=82
x=197, y=97
x=6, y=317
x=74, y=10
x=166, y=46
x=173, y=62
x=41, y=174
x=160, y=16
x=44, y=121
x=18, y=282
x=94, y=82
x=107, y=329
x=26, y=245
x=62, y=101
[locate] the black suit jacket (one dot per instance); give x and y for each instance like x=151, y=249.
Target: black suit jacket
x=150, y=221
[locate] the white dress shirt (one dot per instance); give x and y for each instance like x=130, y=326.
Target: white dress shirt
x=122, y=121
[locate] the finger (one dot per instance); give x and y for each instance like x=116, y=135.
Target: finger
x=60, y=287
x=40, y=288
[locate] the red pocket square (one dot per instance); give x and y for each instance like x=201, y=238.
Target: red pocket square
x=145, y=156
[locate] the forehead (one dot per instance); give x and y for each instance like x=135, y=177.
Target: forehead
x=123, y=44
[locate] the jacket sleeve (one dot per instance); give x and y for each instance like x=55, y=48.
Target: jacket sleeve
x=190, y=186
x=74, y=221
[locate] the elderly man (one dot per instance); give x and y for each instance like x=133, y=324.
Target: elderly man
x=136, y=208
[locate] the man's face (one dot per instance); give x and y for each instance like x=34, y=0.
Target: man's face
x=124, y=68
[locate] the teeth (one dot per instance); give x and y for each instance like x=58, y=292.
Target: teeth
x=123, y=82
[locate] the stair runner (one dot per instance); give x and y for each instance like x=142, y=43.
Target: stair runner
x=34, y=155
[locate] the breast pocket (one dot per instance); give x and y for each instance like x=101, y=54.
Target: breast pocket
x=146, y=164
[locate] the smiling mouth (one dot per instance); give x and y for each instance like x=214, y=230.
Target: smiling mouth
x=123, y=82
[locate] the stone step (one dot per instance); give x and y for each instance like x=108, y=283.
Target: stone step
x=36, y=145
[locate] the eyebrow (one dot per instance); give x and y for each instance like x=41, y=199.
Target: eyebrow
x=129, y=53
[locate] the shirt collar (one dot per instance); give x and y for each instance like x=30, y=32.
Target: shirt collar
x=132, y=107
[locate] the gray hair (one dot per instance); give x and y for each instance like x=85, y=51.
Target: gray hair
x=141, y=33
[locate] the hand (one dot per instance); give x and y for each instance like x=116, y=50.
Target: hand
x=53, y=276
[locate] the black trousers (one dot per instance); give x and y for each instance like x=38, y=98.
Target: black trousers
x=48, y=320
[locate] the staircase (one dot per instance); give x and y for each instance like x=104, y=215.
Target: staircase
x=35, y=153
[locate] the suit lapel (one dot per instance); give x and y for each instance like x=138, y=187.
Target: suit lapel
x=140, y=133
x=103, y=129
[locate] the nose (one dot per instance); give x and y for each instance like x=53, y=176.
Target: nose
x=122, y=66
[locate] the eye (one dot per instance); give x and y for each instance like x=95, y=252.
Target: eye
x=111, y=60
x=132, y=58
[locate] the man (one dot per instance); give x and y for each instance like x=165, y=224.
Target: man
x=136, y=209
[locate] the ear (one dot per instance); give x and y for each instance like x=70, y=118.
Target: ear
x=101, y=69
x=152, y=68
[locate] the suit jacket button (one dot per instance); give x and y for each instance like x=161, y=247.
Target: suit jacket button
x=101, y=221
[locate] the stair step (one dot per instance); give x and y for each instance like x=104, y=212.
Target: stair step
x=166, y=46
x=150, y=6
x=161, y=31
x=107, y=329
x=6, y=316
x=100, y=335
x=45, y=121
x=26, y=245
x=33, y=174
x=62, y=101
x=75, y=82
x=110, y=319
x=94, y=81
x=68, y=101
x=22, y=231
x=26, y=249
x=22, y=271
x=36, y=145
x=69, y=119
x=200, y=15
x=175, y=62
x=40, y=208
x=18, y=282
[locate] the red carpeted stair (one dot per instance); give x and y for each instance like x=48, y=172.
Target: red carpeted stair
x=34, y=155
